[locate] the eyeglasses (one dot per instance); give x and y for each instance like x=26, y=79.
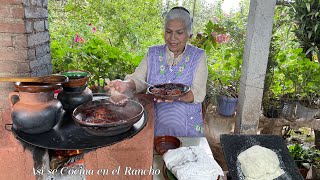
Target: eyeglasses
x=179, y=7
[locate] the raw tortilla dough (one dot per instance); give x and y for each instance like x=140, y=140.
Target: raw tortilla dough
x=259, y=163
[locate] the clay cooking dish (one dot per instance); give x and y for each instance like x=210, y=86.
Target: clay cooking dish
x=102, y=118
x=168, y=91
x=163, y=143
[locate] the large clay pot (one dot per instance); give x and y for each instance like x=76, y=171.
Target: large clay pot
x=34, y=108
x=75, y=92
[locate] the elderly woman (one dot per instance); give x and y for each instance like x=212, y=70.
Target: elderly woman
x=174, y=62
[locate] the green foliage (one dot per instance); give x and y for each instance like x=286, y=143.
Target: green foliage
x=93, y=54
x=123, y=30
x=306, y=16
x=105, y=61
x=278, y=81
x=290, y=73
x=223, y=38
x=129, y=25
x=304, y=157
x=296, y=75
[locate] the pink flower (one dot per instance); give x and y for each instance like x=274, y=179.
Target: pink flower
x=222, y=38
x=94, y=29
x=79, y=39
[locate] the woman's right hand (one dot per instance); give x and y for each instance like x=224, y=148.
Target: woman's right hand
x=121, y=86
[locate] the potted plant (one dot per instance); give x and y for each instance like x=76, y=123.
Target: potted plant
x=286, y=79
x=227, y=100
x=224, y=78
x=308, y=89
x=316, y=167
x=223, y=39
x=304, y=13
x=301, y=157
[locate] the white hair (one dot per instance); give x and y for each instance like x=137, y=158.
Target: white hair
x=182, y=14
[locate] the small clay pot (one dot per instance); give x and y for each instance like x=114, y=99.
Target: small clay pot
x=77, y=78
x=75, y=92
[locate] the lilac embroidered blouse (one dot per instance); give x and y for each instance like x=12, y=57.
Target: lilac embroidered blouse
x=198, y=86
x=176, y=118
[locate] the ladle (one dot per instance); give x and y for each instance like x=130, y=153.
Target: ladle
x=54, y=79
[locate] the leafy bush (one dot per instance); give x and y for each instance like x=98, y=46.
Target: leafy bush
x=304, y=157
x=223, y=39
x=306, y=16
x=87, y=51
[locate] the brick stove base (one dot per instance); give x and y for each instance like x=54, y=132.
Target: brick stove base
x=129, y=159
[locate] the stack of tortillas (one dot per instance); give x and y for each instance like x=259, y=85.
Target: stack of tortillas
x=259, y=163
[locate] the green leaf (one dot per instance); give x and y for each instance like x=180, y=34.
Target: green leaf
x=308, y=7
x=309, y=50
x=316, y=27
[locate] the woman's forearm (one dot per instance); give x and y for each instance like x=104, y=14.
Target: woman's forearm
x=131, y=86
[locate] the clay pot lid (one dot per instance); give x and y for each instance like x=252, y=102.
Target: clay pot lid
x=163, y=143
x=77, y=78
x=34, y=87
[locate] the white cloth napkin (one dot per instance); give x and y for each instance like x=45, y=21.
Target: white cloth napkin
x=192, y=163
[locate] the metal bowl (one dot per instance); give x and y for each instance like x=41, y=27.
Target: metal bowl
x=102, y=118
x=165, y=91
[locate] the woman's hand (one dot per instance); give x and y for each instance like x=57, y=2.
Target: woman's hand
x=162, y=100
x=121, y=86
x=188, y=98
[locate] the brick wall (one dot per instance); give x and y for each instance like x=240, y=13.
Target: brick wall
x=24, y=42
x=24, y=51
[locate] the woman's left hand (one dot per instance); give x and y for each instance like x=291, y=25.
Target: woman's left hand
x=162, y=100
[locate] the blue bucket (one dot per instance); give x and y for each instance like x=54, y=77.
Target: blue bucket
x=227, y=106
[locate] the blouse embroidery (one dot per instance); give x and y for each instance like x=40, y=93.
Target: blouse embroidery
x=162, y=67
x=180, y=69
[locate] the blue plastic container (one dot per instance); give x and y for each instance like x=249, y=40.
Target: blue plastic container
x=227, y=106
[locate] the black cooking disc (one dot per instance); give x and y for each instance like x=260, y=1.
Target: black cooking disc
x=67, y=135
x=233, y=145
